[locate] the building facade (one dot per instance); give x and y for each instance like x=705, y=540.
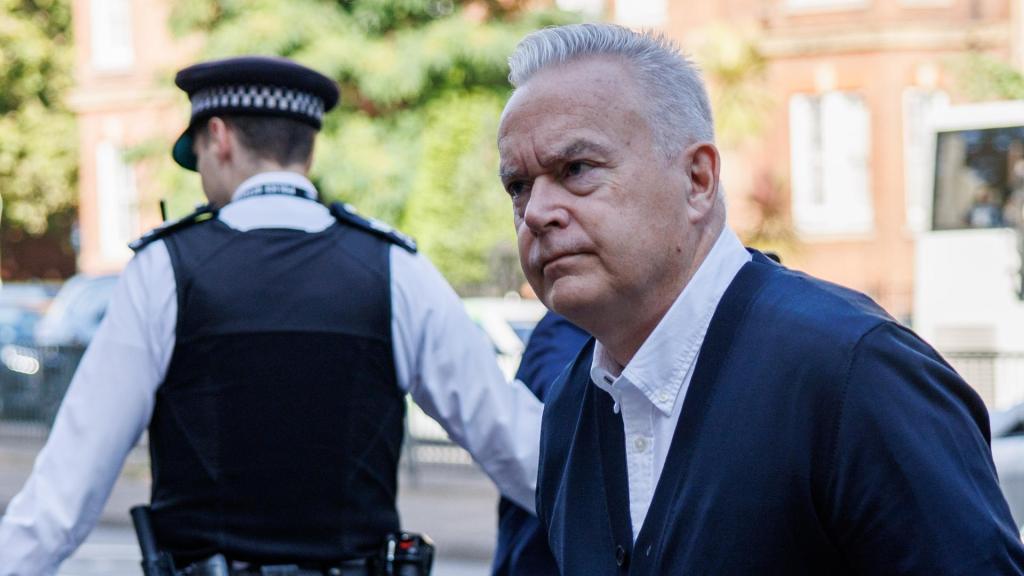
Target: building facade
x=844, y=145
x=840, y=162
x=126, y=104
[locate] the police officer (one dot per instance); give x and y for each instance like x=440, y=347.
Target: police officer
x=268, y=342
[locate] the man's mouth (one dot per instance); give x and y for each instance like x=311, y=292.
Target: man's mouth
x=557, y=259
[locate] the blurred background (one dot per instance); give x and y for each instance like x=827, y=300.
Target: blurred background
x=875, y=143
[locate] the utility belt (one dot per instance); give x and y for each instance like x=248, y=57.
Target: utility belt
x=404, y=554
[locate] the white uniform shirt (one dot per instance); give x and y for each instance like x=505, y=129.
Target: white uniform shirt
x=440, y=356
x=651, y=388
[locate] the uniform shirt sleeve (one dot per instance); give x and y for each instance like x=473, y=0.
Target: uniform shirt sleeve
x=443, y=360
x=913, y=489
x=107, y=406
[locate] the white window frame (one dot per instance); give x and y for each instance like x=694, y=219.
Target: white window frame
x=111, y=35
x=920, y=107
x=117, y=201
x=830, y=164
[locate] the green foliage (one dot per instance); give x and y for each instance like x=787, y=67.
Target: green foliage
x=735, y=69
x=985, y=77
x=38, y=153
x=413, y=142
x=457, y=209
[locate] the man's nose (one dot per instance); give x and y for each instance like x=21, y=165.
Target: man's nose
x=546, y=208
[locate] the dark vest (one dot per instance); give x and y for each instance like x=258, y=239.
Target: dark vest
x=277, y=431
x=804, y=447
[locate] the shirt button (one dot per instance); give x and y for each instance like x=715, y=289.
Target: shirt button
x=640, y=444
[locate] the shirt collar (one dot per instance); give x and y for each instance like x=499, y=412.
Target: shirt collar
x=660, y=366
x=277, y=177
x=276, y=210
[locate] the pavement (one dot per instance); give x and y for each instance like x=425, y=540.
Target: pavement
x=455, y=504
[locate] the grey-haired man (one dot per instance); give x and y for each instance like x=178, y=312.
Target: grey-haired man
x=733, y=416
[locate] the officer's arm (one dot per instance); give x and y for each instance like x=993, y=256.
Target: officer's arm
x=450, y=369
x=107, y=406
x=912, y=486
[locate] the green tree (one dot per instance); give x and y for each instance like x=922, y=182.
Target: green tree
x=983, y=76
x=456, y=210
x=423, y=83
x=736, y=69
x=38, y=153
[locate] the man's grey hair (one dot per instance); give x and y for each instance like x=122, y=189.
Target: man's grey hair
x=679, y=112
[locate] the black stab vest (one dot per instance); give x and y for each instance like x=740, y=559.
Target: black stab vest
x=277, y=431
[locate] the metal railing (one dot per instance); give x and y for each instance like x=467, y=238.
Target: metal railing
x=998, y=377
x=33, y=380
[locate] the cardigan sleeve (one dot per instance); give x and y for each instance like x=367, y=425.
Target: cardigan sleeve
x=913, y=488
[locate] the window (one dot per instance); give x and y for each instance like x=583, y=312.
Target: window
x=829, y=163
x=919, y=106
x=111, y=33
x=117, y=199
x=641, y=13
x=979, y=178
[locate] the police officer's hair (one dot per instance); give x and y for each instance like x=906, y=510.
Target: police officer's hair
x=679, y=113
x=282, y=140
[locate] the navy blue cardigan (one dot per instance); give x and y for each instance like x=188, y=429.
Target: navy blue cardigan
x=818, y=436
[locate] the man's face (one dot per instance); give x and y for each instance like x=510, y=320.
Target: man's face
x=600, y=211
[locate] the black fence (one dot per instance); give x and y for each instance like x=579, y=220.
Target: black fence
x=33, y=381
x=998, y=377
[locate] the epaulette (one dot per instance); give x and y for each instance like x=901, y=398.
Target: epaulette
x=202, y=214
x=347, y=214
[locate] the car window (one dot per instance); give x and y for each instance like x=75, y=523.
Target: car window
x=77, y=311
x=16, y=324
x=88, y=309
x=523, y=329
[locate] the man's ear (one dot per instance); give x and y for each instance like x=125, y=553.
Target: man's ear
x=704, y=162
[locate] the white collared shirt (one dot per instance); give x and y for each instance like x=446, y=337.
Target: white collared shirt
x=651, y=388
x=441, y=359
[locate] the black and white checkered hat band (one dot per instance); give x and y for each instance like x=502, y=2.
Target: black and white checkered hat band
x=258, y=97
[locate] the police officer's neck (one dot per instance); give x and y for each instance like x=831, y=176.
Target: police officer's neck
x=239, y=172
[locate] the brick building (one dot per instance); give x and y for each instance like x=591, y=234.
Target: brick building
x=125, y=101
x=851, y=84
x=844, y=141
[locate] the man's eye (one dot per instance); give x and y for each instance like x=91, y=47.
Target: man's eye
x=514, y=189
x=576, y=168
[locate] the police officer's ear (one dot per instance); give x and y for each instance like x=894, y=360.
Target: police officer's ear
x=218, y=140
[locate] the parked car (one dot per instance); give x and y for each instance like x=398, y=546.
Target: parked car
x=36, y=372
x=76, y=311
x=507, y=323
x=22, y=305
